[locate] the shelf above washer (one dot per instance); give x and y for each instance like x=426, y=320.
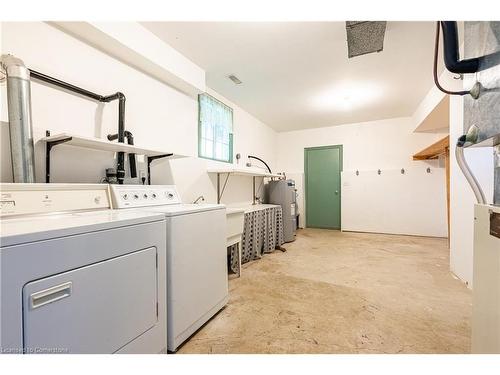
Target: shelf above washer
x=104, y=145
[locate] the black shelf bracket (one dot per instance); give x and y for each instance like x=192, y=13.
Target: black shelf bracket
x=48, y=148
x=150, y=159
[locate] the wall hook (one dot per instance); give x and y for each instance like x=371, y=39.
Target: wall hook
x=402, y=171
x=357, y=172
x=379, y=172
x=428, y=170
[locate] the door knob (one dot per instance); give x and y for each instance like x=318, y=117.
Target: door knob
x=336, y=192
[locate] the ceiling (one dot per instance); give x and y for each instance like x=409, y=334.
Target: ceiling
x=296, y=75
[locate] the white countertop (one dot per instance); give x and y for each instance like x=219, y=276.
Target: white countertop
x=251, y=207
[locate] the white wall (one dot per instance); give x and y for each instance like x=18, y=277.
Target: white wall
x=159, y=116
x=411, y=203
x=252, y=137
x=462, y=198
x=385, y=144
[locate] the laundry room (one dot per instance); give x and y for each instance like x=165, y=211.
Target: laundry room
x=275, y=185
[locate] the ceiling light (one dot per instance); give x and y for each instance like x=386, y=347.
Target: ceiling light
x=347, y=96
x=235, y=79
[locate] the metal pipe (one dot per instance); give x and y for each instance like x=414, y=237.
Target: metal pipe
x=253, y=190
x=218, y=188
x=131, y=156
x=65, y=85
x=120, y=165
x=462, y=163
x=20, y=124
x=201, y=197
x=120, y=169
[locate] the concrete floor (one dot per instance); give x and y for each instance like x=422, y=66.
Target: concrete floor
x=335, y=292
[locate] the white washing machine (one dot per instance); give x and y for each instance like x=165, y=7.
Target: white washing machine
x=78, y=277
x=197, y=281
x=486, y=286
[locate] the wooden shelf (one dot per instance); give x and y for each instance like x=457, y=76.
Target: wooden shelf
x=434, y=151
x=104, y=145
x=252, y=172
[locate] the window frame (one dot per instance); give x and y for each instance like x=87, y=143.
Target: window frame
x=230, y=161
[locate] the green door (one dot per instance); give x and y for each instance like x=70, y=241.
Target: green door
x=322, y=174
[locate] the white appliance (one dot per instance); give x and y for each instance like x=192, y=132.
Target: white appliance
x=78, y=277
x=486, y=287
x=197, y=282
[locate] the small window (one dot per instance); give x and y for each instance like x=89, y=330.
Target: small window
x=215, y=131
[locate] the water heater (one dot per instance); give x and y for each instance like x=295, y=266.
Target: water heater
x=282, y=192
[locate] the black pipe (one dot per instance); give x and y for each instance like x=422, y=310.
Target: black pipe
x=131, y=156
x=120, y=164
x=451, y=51
x=259, y=159
x=435, y=67
x=120, y=170
x=65, y=85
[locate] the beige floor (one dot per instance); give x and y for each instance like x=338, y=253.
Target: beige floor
x=334, y=292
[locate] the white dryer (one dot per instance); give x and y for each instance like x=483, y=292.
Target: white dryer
x=197, y=281
x=78, y=277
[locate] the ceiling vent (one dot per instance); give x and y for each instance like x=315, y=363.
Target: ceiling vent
x=235, y=79
x=365, y=37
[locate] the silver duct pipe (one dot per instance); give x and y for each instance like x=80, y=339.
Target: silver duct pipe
x=478, y=192
x=20, y=127
x=469, y=138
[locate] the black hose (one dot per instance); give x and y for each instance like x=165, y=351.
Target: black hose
x=436, y=79
x=451, y=51
x=259, y=159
